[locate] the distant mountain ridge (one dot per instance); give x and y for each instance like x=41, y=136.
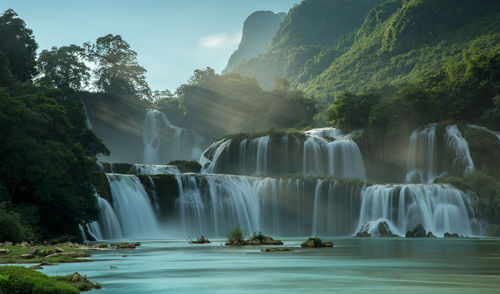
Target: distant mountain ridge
x=258, y=29
x=328, y=46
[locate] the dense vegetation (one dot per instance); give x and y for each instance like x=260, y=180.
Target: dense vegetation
x=326, y=47
x=47, y=151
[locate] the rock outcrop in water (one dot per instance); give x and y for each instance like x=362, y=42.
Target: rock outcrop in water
x=316, y=243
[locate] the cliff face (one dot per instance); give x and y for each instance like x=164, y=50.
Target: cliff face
x=258, y=30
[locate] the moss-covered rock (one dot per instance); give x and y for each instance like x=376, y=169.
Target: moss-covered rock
x=185, y=166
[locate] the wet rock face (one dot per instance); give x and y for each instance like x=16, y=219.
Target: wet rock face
x=384, y=231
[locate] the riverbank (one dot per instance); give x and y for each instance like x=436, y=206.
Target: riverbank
x=21, y=279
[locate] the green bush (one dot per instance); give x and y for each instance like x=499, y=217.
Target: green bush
x=236, y=235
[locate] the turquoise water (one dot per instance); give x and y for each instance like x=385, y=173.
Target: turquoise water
x=352, y=266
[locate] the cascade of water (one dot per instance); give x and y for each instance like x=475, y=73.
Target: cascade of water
x=214, y=164
x=133, y=207
x=457, y=143
x=439, y=208
x=153, y=169
x=82, y=232
x=223, y=203
x=345, y=160
x=151, y=136
x=267, y=191
x=243, y=156
x=421, y=156
x=324, y=151
x=497, y=134
x=284, y=155
x=107, y=227
x=89, y=123
x=262, y=144
x=317, y=192
x=313, y=157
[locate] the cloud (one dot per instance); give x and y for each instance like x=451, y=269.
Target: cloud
x=221, y=40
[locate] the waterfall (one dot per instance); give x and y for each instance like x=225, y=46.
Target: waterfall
x=133, y=207
x=243, y=156
x=212, y=204
x=152, y=134
x=262, y=154
x=317, y=192
x=153, y=169
x=497, y=134
x=108, y=226
x=284, y=155
x=458, y=144
x=313, y=157
x=421, y=156
x=345, y=160
x=89, y=123
x=222, y=146
x=439, y=208
x=323, y=152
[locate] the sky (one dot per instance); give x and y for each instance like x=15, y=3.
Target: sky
x=171, y=37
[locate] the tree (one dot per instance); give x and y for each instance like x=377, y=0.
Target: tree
x=63, y=68
x=351, y=111
x=19, y=45
x=118, y=69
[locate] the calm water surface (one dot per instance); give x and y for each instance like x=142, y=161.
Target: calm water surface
x=352, y=266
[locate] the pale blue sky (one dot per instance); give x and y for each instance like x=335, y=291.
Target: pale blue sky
x=172, y=37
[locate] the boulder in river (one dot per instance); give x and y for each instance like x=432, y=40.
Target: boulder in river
x=316, y=243
x=201, y=240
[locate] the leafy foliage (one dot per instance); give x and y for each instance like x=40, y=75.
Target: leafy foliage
x=19, y=46
x=63, y=68
x=327, y=47
x=47, y=152
x=118, y=70
x=236, y=235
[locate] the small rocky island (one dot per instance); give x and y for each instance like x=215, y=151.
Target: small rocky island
x=236, y=239
x=316, y=243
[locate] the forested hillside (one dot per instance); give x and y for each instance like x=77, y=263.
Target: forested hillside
x=325, y=47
